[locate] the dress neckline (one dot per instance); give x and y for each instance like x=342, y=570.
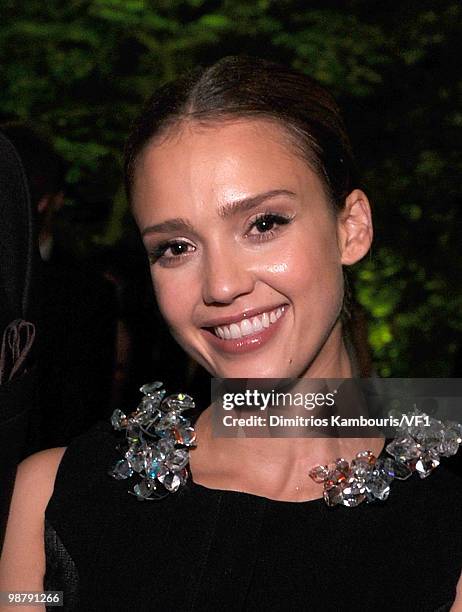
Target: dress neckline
x=248, y=495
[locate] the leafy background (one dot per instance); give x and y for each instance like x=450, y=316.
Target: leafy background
x=79, y=70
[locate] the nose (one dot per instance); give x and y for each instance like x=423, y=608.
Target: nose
x=226, y=277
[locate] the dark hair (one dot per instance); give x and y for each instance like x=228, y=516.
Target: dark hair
x=45, y=169
x=242, y=86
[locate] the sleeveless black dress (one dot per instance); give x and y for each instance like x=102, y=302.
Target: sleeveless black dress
x=204, y=549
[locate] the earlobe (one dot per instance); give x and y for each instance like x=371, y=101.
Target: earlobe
x=355, y=231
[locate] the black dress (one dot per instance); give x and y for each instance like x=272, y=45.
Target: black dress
x=205, y=549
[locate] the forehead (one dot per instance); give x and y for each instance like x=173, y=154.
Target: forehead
x=196, y=164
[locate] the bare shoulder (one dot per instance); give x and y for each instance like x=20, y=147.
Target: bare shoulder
x=42, y=466
x=457, y=605
x=22, y=564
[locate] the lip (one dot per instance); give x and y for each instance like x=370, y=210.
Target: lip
x=245, y=314
x=247, y=343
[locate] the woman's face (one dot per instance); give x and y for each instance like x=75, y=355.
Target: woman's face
x=245, y=257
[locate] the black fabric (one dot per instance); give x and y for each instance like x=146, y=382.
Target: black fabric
x=202, y=549
x=18, y=417
x=76, y=330
x=16, y=237
x=18, y=428
x=60, y=569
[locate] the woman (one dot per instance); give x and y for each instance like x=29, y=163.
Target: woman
x=241, y=180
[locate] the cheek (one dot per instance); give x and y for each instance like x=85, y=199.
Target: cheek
x=172, y=300
x=306, y=270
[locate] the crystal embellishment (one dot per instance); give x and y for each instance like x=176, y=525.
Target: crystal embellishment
x=157, y=442
x=367, y=478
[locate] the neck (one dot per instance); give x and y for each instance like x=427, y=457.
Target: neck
x=277, y=467
x=332, y=359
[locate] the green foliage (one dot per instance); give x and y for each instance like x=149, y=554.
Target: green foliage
x=80, y=69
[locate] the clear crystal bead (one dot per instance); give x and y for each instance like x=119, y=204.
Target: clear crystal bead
x=152, y=468
x=144, y=490
x=401, y=470
x=168, y=421
x=384, y=468
x=404, y=449
x=165, y=446
x=178, y=402
x=429, y=436
x=367, y=456
x=380, y=478
x=177, y=460
x=335, y=477
x=457, y=428
x=121, y=470
x=151, y=404
x=151, y=388
x=428, y=461
x=378, y=488
x=170, y=480
x=136, y=459
x=342, y=465
x=185, y=435
x=319, y=473
x=354, y=492
x=118, y=419
x=449, y=445
x=133, y=433
x=333, y=495
x=141, y=417
x=361, y=467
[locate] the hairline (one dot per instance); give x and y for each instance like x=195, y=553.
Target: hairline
x=296, y=140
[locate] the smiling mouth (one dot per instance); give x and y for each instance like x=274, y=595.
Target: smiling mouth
x=248, y=327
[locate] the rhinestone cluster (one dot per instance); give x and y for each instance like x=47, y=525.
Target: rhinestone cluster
x=158, y=439
x=368, y=478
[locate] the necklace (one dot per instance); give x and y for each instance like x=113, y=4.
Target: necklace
x=416, y=448
x=157, y=442
x=158, y=439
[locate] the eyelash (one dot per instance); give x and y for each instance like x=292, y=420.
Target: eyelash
x=158, y=253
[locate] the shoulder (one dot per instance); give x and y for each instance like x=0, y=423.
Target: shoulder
x=22, y=565
x=40, y=468
x=457, y=604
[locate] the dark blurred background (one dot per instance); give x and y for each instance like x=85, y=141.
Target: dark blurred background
x=77, y=72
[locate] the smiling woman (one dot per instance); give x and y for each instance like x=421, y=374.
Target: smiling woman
x=262, y=182
x=256, y=236
x=242, y=182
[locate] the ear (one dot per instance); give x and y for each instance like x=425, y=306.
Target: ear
x=354, y=228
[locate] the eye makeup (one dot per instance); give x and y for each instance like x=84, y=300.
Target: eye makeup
x=268, y=224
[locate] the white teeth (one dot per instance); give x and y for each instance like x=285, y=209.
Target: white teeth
x=247, y=327
x=235, y=331
x=257, y=324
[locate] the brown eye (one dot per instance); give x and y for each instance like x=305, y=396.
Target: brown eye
x=179, y=248
x=169, y=251
x=267, y=223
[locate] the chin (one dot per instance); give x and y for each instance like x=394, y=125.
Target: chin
x=258, y=369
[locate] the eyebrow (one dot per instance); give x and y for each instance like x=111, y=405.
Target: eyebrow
x=227, y=210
